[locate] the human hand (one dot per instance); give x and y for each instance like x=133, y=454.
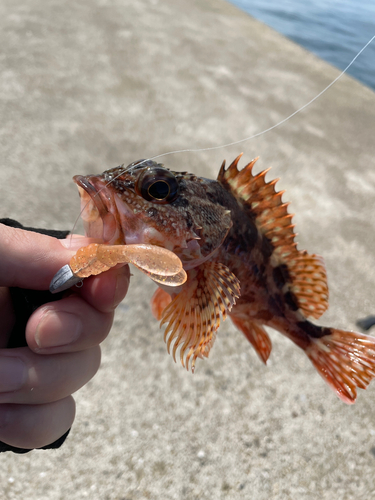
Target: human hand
x=63, y=337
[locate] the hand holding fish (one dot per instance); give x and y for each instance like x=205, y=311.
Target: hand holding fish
x=63, y=353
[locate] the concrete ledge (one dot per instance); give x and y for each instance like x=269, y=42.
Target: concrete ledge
x=88, y=85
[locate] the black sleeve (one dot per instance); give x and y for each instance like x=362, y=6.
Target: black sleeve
x=55, y=444
x=25, y=302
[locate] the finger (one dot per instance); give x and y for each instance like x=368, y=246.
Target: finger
x=68, y=325
x=106, y=291
x=34, y=426
x=27, y=378
x=7, y=318
x=30, y=260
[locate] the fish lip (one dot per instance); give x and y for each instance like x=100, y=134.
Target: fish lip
x=102, y=198
x=94, y=189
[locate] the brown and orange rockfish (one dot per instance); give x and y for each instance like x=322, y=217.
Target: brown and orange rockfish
x=235, y=239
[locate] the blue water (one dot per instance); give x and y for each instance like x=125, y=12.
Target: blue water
x=335, y=30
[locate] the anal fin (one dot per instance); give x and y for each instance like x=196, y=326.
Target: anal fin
x=345, y=360
x=256, y=335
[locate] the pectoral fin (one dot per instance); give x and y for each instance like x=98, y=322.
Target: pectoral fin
x=193, y=316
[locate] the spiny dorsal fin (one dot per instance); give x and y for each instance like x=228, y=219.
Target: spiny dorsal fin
x=264, y=203
x=193, y=316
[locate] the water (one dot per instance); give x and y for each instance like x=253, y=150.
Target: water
x=335, y=30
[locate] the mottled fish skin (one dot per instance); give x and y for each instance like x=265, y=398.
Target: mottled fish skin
x=235, y=239
x=265, y=281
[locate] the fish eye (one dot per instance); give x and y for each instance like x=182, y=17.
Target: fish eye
x=158, y=185
x=159, y=190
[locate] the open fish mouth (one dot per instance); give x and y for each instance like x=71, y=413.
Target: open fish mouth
x=97, y=208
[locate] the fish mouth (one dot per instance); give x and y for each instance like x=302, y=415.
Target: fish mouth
x=97, y=208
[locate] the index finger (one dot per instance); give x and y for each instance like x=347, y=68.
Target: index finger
x=30, y=260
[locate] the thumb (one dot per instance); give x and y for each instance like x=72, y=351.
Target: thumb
x=30, y=260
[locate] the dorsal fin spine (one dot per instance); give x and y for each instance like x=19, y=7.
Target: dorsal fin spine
x=222, y=170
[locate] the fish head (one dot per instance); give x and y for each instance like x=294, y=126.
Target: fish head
x=148, y=203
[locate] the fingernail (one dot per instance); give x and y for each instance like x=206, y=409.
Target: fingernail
x=74, y=242
x=57, y=329
x=13, y=374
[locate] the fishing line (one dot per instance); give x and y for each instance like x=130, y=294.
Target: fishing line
x=212, y=148
x=273, y=126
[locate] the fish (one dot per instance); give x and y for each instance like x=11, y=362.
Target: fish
x=236, y=241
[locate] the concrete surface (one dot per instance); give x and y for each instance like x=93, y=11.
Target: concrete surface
x=87, y=85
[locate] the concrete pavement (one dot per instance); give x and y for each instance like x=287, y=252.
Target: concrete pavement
x=85, y=86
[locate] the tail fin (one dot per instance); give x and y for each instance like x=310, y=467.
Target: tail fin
x=346, y=360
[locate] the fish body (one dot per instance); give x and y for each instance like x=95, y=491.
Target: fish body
x=235, y=239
